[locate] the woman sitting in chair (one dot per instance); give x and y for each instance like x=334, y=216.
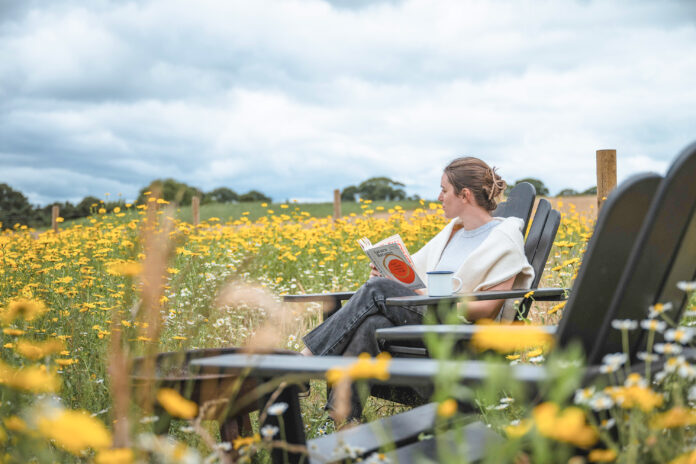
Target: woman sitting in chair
x=485, y=252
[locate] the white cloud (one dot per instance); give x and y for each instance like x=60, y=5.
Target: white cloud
x=298, y=97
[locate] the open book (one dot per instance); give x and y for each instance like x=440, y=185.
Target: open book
x=392, y=260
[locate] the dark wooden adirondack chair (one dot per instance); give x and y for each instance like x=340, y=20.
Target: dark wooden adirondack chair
x=607, y=253
x=593, y=310
x=519, y=203
x=608, y=250
x=538, y=244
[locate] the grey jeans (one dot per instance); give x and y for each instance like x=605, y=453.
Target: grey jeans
x=351, y=330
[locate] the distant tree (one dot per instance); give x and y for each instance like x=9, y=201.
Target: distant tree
x=348, y=193
x=88, y=205
x=375, y=189
x=541, y=189
x=381, y=188
x=170, y=190
x=590, y=191
x=15, y=208
x=222, y=195
x=254, y=195
x=567, y=192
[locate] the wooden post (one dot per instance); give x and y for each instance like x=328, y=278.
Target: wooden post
x=195, y=210
x=606, y=175
x=337, y=204
x=55, y=214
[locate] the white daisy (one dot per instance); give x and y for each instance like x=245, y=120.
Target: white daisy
x=648, y=357
x=268, y=431
x=615, y=359
x=658, y=308
x=584, y=395
x=679, y=335
x=654, y=325
x=686, y=286
x=624, y=324
x=668, y=348
x=606, y=424
x=276, y=409
x=601, y=402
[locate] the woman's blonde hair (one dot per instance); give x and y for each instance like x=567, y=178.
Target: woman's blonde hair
x=482, y=180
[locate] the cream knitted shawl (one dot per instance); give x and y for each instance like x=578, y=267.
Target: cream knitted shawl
x=498, y=258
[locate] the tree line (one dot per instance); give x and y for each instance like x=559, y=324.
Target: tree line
x=15, y=208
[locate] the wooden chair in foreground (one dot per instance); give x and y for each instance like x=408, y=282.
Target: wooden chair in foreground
x=669, y=227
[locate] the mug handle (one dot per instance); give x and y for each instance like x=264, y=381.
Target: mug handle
x=458, y=286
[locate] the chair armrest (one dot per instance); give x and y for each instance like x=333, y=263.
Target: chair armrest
x=330, y=302
x=340, y=296
x=417, y=333
x=401, y=371
x=540, y=294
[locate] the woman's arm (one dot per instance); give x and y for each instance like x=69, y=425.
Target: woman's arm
x=488, y=309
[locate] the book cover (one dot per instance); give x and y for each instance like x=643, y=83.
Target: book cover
x=392, y=260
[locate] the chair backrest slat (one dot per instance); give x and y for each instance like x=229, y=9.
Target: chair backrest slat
x=538, y=245
x=603, y=263
x=519, y=203
x=535, y=230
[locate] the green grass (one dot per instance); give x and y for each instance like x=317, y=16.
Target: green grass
x=231, y=211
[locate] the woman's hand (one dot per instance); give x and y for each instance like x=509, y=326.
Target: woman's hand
x=374, y=272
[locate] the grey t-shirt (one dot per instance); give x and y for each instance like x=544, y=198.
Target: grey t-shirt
x=462, y=244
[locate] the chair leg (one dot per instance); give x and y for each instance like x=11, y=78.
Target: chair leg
x=233, y=428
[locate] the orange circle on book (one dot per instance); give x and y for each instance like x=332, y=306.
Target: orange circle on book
x=401, y=270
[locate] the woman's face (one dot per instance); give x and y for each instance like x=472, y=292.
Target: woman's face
x=451, y=203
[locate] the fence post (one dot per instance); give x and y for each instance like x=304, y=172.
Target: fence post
x=55, y=213
x=195, y=210
x=337, y=204
x=606, y=175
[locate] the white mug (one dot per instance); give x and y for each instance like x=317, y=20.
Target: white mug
x=440, y=283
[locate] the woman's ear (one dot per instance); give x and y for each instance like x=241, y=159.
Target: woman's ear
x=465, y=194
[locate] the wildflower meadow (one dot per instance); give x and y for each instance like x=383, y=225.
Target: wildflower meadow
x=79, y=306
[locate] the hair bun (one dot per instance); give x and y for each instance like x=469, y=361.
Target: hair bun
x=497, y=184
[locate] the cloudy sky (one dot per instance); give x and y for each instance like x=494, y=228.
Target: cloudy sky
x=298, y=97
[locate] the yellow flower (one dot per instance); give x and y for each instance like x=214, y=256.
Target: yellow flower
x=508, y=338
x=447, y=408
x=602, y=455
x=75, y=431
x=117, y=210
x=528, y=294
x=15, y=332
x=125, y=268
x=364, y=368
x=66, y=362
x=15, y=424
x=675, y=417
x=115, y=456
x=534, y=353
x=635, y=395
x=38, y=350
x=567, y=426
x=556, y=308
x=686, y=458
x=175, y=404
x=246, y=441
x=518, y=430
x=25, y=309
x=60, y=219
x=34, y=379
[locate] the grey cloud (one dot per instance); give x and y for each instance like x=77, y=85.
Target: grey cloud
x=298, y=98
